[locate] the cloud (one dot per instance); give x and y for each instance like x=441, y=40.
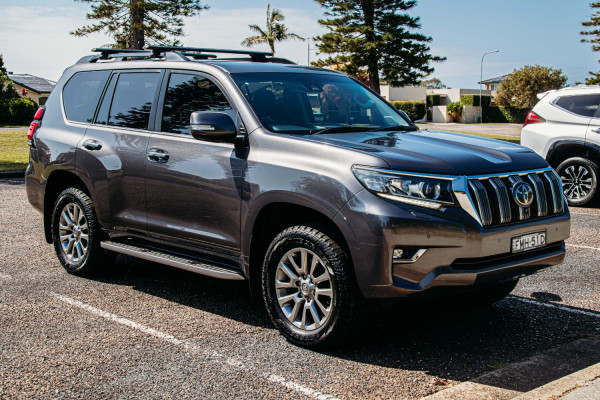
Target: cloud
x=36, y=40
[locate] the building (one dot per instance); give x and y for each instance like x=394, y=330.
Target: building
x=493, y=84
x=36, y=88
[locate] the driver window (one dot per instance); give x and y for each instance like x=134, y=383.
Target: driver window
x=186, y=94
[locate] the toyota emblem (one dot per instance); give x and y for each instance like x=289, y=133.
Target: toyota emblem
x=523, y=194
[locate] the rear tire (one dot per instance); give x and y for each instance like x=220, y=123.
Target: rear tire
x=76, y=234
x=579, y=180
x=307, y=288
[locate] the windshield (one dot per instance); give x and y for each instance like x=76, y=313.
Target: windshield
x=309, y=103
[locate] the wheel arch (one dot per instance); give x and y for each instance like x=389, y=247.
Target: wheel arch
x=562, y=150
x=57, y=182
x=274, y=218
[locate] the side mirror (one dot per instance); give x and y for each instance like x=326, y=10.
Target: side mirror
x=212, y=126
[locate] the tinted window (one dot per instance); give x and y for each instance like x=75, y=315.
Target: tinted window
x=81, y=94
x=189, y=93
x=132, y=101
x=102, y=117
x=305, y=103
x=585, y=105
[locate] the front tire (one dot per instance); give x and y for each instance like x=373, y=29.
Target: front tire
x=307, y=288
x=76, y=234
x=579, y=178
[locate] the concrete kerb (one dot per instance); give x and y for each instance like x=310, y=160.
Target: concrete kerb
x=12, y=174
x=549, y=375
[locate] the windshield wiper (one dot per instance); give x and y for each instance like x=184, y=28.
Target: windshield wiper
x=340, y=129
x=403, y=128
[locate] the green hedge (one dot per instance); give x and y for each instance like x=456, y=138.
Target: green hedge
x=415, y=110
x=455, y=110
x=19, y=111
x=505, y=114
x=433, y=100
x=473, y=99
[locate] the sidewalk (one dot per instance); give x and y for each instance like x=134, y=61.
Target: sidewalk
x=486, y=129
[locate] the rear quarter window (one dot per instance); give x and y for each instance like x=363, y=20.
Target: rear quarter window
x=81, y=95
x=583, y=105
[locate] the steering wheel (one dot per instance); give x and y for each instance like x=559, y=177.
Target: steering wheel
x=366, y=104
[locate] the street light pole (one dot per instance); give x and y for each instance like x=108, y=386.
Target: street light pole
x=480, y=119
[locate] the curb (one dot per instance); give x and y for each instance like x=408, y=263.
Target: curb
x=548, y=375
x=12, y=174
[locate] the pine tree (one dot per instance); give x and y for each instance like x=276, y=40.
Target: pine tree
x=275, y=31
x=376, y=35
x=593, y=36
x=134, y=23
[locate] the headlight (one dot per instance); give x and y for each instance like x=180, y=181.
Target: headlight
x=424, y=191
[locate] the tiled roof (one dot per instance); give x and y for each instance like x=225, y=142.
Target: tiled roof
x=497, y=79
x=34, y=83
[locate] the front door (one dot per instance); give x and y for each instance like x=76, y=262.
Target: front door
x=193, y=187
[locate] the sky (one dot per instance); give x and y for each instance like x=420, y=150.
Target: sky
x=35, y=39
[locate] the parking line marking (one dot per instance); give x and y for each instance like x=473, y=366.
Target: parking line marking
x=6, y=277
x=584, y=247
x=211, y=355
x=550, y=305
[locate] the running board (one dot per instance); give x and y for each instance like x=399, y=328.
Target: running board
x=172, y=260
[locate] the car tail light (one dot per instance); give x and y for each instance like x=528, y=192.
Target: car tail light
x=533, y=118
x=37, y=122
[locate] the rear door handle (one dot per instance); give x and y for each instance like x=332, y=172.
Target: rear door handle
x=158, y=155
x=596, y=130
x=91, y=144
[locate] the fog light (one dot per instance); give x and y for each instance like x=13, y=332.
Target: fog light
x=397, y=254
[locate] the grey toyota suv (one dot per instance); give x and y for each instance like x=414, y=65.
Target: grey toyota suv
x=300, y=180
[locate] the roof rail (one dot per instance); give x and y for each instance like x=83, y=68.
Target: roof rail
x=260, y=56
x=177, y=53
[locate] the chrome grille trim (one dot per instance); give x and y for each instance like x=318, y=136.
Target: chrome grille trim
x=489, y=198
x=540, y=194
x=482, y=201
x=503, y=199
x=556, y=190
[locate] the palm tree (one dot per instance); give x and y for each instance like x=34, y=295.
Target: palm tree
x=276, y=31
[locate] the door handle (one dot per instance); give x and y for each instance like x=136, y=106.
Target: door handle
x=158, y=155
x=91, y=144
x=596, y=130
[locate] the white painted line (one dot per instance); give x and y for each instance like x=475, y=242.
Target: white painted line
x=583, y=247
x=191, y=347
x=6, y=277
x=550, y=305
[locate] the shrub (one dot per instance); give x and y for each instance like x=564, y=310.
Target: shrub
x=21, y=111
x=455, y=110
x=415, y=110
x=433, y=100
x=473, y=100
x=505, y=114
x=520, y=88
x=4, y=113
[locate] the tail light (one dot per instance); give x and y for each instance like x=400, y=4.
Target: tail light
x=533, y=118
x=33, y=127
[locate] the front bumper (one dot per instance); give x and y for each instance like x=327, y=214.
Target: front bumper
x=459, y=253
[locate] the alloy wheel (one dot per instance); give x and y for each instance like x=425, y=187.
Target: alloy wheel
x=576, y=182
x=74, y=232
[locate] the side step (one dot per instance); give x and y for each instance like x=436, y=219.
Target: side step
x=173, y=261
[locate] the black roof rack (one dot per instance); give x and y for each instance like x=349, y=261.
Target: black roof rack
x=177, y=53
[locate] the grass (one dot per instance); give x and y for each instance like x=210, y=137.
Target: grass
x=14, y=151
x=512, y=139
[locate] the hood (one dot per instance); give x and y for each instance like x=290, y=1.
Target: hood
x=438, y=152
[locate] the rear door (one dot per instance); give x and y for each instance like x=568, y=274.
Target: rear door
x=193, y=187
x=113, y=151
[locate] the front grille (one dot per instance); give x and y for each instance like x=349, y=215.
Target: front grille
x=495, y=204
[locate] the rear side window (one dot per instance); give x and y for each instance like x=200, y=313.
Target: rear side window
x=81, y=94
x=584, y=105
x=189, y=93
x=132, y=99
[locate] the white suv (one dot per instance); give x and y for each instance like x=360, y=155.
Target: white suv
x=564, y=128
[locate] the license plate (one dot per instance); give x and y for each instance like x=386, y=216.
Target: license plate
x=528, y=242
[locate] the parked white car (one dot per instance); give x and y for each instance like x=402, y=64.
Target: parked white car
x=564, y=128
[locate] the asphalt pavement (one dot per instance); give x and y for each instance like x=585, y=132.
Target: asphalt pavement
x=142, y=330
